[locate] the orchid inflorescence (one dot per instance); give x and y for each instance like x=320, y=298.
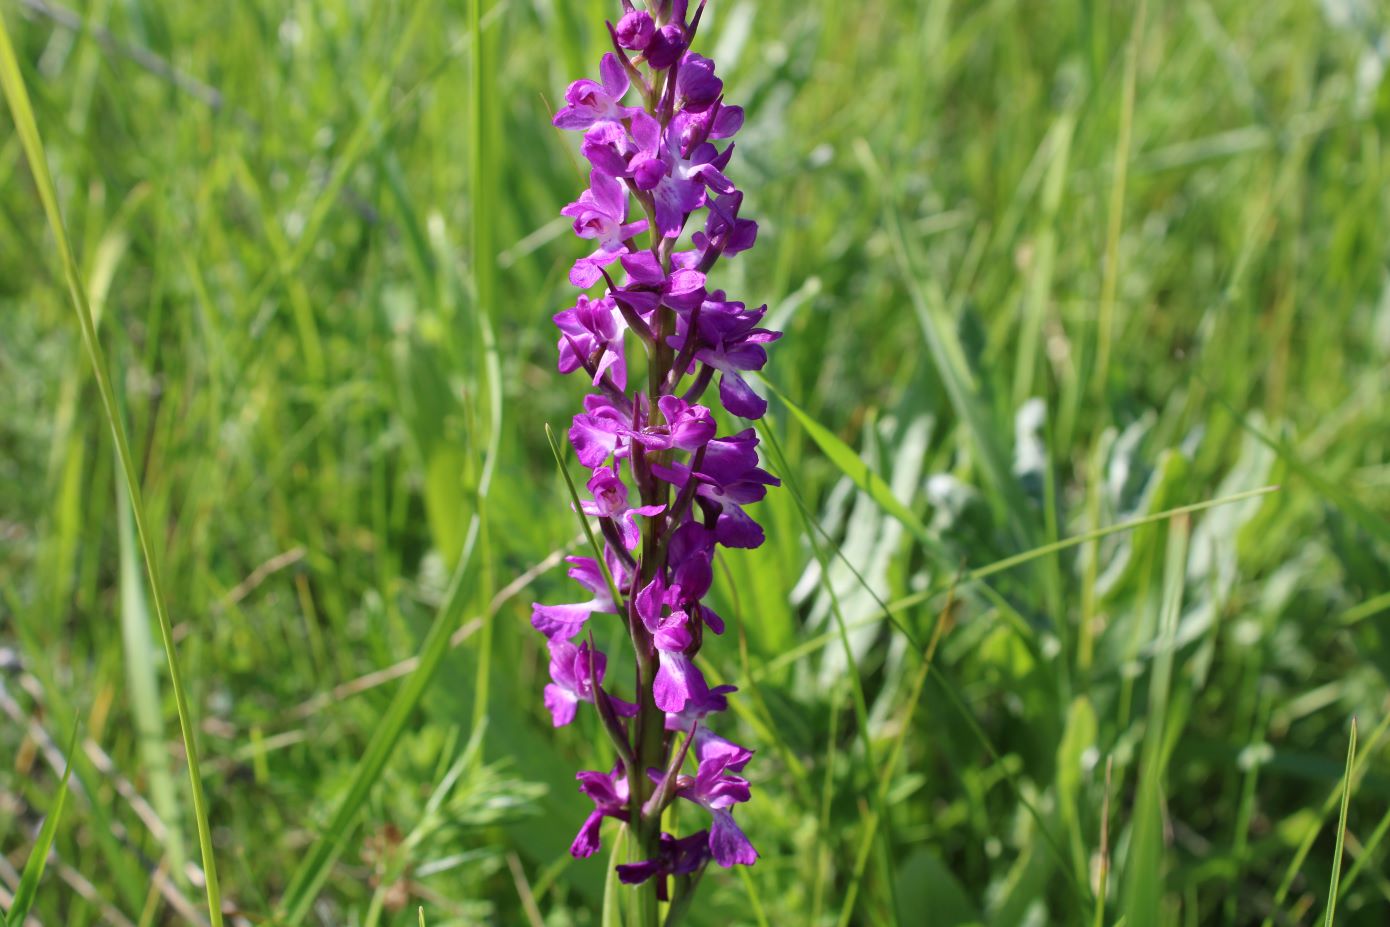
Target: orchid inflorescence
x=690, y=486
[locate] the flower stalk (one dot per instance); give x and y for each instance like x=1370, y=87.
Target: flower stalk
x=657, y=447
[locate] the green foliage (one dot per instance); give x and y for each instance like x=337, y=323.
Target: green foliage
x=1067, y=291
x=27, y=889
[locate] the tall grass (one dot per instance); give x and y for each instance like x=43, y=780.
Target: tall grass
x=1080, y=408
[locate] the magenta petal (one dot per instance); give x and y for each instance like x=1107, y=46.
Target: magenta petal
x=644, y=268
x=586, y=842
x=728, y=843
x=738, y=397
x=562, y=705
x=649, y=601
x=672, y=640
x=585, y=273
x=736, y=528
x=711, y=746
x=615, y=81
x=608, y=194
x=711, y=619
x=571, y=118
x=631, y=533
x=560, y=621
x=676, y=679
x=637, y=873
x=621, y=708
x=669, y=688
x=727, y=122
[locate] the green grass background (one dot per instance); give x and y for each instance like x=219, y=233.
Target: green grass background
x=1044, y=268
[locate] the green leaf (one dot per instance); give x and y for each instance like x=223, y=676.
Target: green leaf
x=27, y=890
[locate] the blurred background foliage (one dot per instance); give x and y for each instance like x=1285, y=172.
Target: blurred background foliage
x=1044, y=268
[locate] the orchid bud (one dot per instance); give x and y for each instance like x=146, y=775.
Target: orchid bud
x=635, y=30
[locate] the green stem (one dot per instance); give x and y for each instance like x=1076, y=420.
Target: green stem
x=651, y=733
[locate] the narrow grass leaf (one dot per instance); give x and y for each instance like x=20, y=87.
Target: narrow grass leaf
x=1370, y=520
x=851, y=465
x=1301, y=855
x=612, y=915
x=143, y=682
x=1144, y=876
x=17, y=95
x=1341, y=829
x=886, y=777
x=27, y=890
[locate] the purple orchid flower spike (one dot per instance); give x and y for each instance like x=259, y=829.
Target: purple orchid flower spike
x=666, y=488
x=609, y=793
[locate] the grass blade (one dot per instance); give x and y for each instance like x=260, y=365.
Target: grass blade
x=1144, y=866
x=143, y=681
x=1306, y=847
x=1341, y=829
x=17, y=95
x=885, y=779
x=1105, y=318
x=612, y=914
x=853, y=466
x=28, y=887
x=949, y=359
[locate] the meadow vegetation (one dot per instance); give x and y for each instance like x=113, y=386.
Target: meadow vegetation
x=1048, y=272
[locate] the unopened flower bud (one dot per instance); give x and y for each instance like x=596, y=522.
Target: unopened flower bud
x=635, y=30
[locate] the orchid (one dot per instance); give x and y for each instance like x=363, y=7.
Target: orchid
x=665, y=489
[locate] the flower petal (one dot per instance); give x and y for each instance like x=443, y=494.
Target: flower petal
x=728, y=843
